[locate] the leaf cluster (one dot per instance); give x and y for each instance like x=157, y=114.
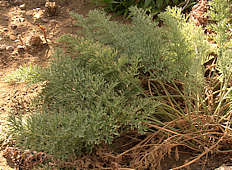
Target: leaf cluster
x=26, y=73
x=174, y=51
x=220, y=24
x=121, y=7
x=93, y=88
x=89, y=98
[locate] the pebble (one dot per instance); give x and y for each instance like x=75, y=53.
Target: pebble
x=13, y=26
x=2, y=47
x=44, y=20
x=5, y=29
x=12, y=37
x=20, y=49
x=28, y=13
x=23, y=6
x=10, y=48
x=4, y=4
x=21, y=19
x=18, y=2
x=35, y=40
x=53, y=22
x=37, y=15
x=6, y=18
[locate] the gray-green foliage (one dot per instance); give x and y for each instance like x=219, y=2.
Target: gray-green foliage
x=220, y=24
x=220, y=16
x=93, y=91
x=30, y=73
x=88, y=99
x=170, y=52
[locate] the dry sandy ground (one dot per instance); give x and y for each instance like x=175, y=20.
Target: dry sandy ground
x=17, y=29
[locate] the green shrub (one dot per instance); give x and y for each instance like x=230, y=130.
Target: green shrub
x=220, y=25
x=121, y=7
x=30, y=73
x=88, y=100
x=170, y=52
x=93, y=90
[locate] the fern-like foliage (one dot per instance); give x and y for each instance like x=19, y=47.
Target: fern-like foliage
x=93, y=88
x=170, y=52
x=220, y=16
x=88, y=99
x=220, y=24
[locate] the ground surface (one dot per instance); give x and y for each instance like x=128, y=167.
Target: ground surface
x=17, y=29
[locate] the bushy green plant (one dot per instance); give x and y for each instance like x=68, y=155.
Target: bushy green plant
x=89, y=98
x=208, y=110
x=220, y=24
x=121, y=7
x=30, y=73
x=171, y=52
x=168, y=55
x=94, y=91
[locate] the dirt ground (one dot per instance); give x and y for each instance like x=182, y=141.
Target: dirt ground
x=23, y=42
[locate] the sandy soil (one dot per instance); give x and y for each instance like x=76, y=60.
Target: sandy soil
x=17, y=29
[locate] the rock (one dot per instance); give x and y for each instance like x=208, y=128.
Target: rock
x=13, y=26
x=51, y=9
x=10, y=48
x=44, y=20
x=4, y=4
x=17, y=2
x=20, y=49
x=5, y=29
x=21, y=19
x=35, y=41
x=37, y=13
x=53, y=22
x=2, y=47
x=29, y=13
x=23, y=6
x=12, y=37
x=37, y=16
x=6, y=18
x=17, y=19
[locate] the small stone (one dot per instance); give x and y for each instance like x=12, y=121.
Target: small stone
x=5, y=29
x=6, y=18
x=18, y=2
x=53, y=22
x=35, y=41
x=51, y=9
x=20, y=47
x=23, y=6
x=2, y=47
x=12, y=37
x=29, y=13
x=13, y=26
x=21, y=19
x=37, y=16
x=10, y=48
x=44, y=20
